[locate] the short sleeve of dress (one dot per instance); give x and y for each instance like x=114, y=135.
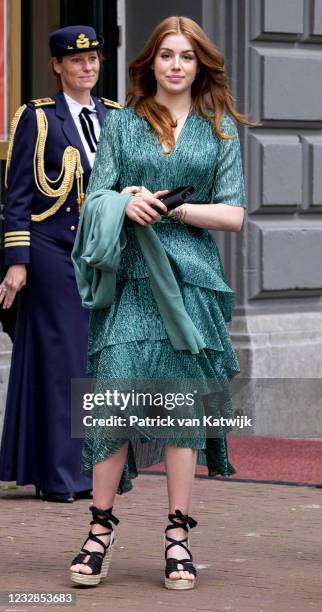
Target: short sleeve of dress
x=228, y=186
x=106, y=169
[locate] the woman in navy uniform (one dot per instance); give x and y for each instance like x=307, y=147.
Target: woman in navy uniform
x=51, y=153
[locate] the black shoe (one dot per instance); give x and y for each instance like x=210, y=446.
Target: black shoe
x=182, y=521
x=88, y=494
x=98, y=561
x=60, y=498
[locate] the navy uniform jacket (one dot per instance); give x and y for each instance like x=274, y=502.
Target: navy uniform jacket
x=23, y=196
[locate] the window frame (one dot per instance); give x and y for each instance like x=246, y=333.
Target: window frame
x=14, y=67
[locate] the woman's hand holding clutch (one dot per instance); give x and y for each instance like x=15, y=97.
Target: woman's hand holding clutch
x=139, y=209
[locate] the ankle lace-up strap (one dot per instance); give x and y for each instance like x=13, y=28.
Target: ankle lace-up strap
x=181, y=520
x=103, y=517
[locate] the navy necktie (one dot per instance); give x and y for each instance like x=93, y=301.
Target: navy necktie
x=88, y=128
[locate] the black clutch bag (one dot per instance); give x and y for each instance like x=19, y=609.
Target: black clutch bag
x=176, y=198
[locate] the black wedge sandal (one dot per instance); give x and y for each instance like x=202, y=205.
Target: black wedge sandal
x=179, y=520
x=98, y=561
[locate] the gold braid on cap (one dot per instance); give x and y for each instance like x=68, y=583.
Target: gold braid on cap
x=13, y=127
x=71, y=169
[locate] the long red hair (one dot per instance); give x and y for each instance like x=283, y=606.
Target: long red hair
x=210, y=91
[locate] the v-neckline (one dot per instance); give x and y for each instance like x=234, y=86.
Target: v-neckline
x=178, y=138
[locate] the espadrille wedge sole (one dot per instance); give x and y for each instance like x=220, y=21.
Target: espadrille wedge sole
x=179, y=585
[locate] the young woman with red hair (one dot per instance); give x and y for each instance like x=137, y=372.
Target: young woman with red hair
x=176, y=129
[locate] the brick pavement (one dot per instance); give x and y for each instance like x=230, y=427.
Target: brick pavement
x=258, y=548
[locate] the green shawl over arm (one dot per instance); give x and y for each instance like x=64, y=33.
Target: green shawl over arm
x=96, y=255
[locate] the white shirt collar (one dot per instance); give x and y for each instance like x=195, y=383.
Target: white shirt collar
x=75, y=107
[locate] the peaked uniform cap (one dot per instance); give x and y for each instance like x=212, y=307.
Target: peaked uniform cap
x=74, y=39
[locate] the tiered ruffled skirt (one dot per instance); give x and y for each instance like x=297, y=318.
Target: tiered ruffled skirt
x=129, y=341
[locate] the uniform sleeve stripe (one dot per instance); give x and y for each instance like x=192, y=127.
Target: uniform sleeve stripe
x=12, y=238
x=18, y=233
x=16, y=240
x=21, y=243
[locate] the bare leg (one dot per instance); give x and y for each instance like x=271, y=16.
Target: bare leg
x=180, y=464
x=106, y=478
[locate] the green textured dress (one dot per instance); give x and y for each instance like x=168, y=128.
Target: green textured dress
x=128, y=340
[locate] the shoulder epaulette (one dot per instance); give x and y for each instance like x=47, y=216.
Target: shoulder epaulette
x=42, y=102
x=107, y=102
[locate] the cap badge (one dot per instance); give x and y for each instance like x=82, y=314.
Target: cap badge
x=82, y=41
